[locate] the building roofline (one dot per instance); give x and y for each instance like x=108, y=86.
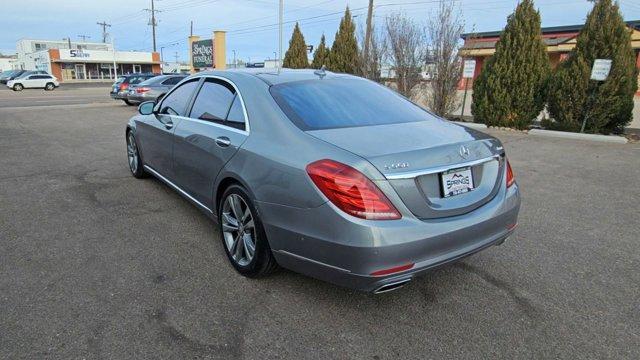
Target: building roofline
x=65, y=41
x=635, y=24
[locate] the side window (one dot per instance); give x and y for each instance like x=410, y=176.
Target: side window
x=172, y=81
x=176, y=102
x=236, y=118
x=213, y=101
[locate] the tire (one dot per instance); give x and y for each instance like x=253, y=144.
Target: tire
x=49, y=87
x=133, y=157
x=18, y=87
x=129, y=102
x=262, y=262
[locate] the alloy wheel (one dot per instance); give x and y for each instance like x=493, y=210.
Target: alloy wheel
x=238, y=229
x=132, y=153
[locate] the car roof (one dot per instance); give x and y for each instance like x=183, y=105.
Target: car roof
x=273, y=77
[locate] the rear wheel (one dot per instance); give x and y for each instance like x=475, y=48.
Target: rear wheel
x=49, y=86
x=129, y=102
x=18, y=87
x=243, y=236
x=133, y=156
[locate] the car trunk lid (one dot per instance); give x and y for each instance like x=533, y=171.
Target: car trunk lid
x=412, y=156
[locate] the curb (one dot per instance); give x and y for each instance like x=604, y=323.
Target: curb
x=579, y=136
x=471, y=125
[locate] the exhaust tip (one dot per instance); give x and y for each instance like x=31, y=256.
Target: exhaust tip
x=391, y=286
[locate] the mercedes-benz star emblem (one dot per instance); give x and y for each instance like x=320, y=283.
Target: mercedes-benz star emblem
x=464, y=152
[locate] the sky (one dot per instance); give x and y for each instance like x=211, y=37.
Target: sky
x=251, y=25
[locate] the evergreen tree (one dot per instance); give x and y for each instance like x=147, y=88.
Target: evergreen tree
x=607, y=105
x=321, y=55
x=510, y=91
x=296, y=55
x=344, y=52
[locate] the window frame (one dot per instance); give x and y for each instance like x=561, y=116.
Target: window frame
x=231, y=84
x=189, y=103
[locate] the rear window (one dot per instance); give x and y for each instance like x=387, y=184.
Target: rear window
x=339, y=103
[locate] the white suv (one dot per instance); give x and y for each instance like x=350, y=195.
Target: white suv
x=38, y=81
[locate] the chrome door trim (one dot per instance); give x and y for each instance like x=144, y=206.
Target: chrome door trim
x=176, y=188
x=438, y=169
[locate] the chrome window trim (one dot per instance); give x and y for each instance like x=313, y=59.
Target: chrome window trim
x=176, y=187
x=434, y=170
x=247, y=129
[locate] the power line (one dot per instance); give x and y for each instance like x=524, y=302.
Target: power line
x=84, y=37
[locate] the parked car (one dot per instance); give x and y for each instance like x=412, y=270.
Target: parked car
x=34, y=81
x=120, y=88
x=329, y=175
x=153, y=88
x=14, y=74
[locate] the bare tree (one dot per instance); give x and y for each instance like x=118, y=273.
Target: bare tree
x=406, y=51
x=444, y=29
x=371, y=64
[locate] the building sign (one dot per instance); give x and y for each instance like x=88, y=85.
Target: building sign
x=202, y=54
x=601, y=69
x=78, y=53
x=469, y=69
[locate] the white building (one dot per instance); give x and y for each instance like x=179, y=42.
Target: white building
x=7, y=62
x=82, y=61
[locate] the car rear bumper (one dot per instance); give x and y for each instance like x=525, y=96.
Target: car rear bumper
x=118, y=95
x=140, y=98
x=328, y=245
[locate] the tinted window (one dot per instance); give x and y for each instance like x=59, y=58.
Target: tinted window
x=236, y=114
x=213, y=101
x=336, y=103
x=176, y=102
x=173, y=80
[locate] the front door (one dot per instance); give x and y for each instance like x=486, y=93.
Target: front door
x=208, y=138
x=80, y=72
x=155, y=132
x=137, y=68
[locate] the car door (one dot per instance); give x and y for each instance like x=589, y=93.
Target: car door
x=31, y=81
x=155, y=132
x=209, y=137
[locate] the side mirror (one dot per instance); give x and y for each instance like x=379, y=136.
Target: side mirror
x=146, y=108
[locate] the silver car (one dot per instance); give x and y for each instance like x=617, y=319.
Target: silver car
x=329, y=175
x=153, y=88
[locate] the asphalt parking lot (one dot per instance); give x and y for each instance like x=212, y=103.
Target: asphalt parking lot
x=96, y=264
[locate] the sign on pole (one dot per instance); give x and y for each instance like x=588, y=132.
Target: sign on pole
x=601, y=69
x=202, y=54
x=469, y=69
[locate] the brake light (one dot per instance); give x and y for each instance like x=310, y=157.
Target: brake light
x=351, y=191
x=142, y=90
x=510, y=178
x=124, y=86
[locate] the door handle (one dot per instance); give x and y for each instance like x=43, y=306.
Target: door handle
x=168, y=125
x=223, y=141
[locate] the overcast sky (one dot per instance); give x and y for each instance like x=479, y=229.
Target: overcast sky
x=250, y=23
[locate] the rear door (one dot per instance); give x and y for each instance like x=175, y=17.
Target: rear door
x=155, y=132
x=204, y=142
x=31, y=81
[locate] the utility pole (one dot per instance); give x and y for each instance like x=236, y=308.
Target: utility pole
x=153, y=22
x=191, y=33
x=104, y=30
x=235, y=64
x=84, y=37
x=176, y=56
x=367, y=39
x=280, y=17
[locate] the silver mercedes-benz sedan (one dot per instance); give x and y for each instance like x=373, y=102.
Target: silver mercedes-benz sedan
x=329, y=175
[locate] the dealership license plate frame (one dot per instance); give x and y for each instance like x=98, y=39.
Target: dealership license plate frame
x=446, y=175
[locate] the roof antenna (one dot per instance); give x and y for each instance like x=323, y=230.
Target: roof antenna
x=321, y=73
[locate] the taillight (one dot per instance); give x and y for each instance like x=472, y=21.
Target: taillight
x=393, y=270
x=142, y=90
x=510, y=178
x=351, y=191
x=123, y=86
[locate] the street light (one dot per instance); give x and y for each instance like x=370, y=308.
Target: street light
x=162, y=54
x=275, y=57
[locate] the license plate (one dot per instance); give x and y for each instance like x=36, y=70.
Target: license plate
x=456, y=182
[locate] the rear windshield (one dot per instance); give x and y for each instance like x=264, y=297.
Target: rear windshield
x=338, y=103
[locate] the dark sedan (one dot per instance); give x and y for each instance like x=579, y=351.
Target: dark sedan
x=120, y=89
x=152, y=89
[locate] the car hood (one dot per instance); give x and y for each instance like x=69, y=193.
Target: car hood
x=396, y=148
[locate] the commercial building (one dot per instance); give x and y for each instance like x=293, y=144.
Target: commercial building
x=7, y=62
x=74, y=61
x=560, y=40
